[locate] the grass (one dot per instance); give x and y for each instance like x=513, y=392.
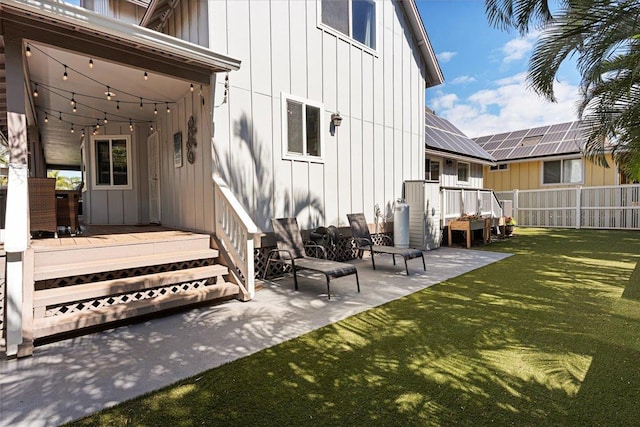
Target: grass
x=544, y=337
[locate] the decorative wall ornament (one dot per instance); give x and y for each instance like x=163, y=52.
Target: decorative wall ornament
x=191, y=139
x=177, y=149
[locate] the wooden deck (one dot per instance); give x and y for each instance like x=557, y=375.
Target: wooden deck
x=109, y=273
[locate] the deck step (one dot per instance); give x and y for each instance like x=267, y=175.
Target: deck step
x=99, y=248
x=71, y=267
x=73, y=321
x=105, y=288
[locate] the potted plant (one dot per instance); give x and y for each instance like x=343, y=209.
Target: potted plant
x=509, y=223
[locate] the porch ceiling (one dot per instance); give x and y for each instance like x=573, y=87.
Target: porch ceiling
x=60, y=34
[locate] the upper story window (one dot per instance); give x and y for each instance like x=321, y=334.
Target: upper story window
x=432, y=170
x=302, y=129
x=566, y=171
x=463, y=172
x=111, y=160
x=354, y=18
x=499, y=167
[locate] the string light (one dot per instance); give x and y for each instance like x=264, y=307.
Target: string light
x=90, y=66
x=108, y=93
x=140, y=102
x=191, y=87
x=146, y=76
x=46, y=118
x=97, y=124
x=35, y=91
x=168, y=109
x=155, y=109
x=60, y=116
x=65, y=76
x=28, y=51
x=94, y=131
x=151, y=127
x=72, y=131
x=130, y=125
x=82, y=132
x=73, y=99
x=105, y=118
x=75, y=109
x=117, y=105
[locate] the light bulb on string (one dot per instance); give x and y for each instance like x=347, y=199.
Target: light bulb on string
x=130, y=125
x=72, y=130
x=191, y=87
x=151, y=126
x=105, y=121
x=90, y=65
x=73, y=99
x=46, y=118
x=117, y=105
x=75, y=109
x=60, y=116
x=94, y=131
x=146, y=76
x=168, y=109
x=27, y=51
x=140, y=103
x=65, y=76
x=108, y=93
x=35, y=91
x=97, y=124
x=155, y=109
x=82, y=134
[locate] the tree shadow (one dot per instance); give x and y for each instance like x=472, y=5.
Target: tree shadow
x=257, y=175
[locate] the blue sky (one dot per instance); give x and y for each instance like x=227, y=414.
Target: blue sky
x=485, y=90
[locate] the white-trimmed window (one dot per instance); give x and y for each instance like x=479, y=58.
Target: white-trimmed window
x=499, y=167
x=353, y=18
x=564, y=171
x=302, y=125
x=111, y=162
x=463, y=172
x=432, y=170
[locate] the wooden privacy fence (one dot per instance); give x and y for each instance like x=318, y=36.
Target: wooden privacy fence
x=607, y=207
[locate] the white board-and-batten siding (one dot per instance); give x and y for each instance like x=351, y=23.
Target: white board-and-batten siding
x=380, y=96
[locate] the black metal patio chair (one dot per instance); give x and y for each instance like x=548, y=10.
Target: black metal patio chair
x=364, y=242
x=291, y=250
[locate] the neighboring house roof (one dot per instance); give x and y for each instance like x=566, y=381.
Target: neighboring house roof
x=442, y=137
x=553, y=140
x=159, y=11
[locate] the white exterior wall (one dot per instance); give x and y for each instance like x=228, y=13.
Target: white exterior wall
x=379, y=95
x=449, y=173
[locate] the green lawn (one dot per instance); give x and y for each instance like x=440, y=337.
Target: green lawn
x=544, y=337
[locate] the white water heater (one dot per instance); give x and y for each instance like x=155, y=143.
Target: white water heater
x=401, y=224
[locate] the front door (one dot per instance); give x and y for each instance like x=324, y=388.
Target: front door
x=154, y=178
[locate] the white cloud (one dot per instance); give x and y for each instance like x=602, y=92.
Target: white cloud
x=508, y=105
x=445, y=57
x=516, y=49
x=462, y=80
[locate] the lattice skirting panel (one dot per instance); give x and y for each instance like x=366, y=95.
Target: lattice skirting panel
x=124, y=298
x=121, y=274
x=344, y=250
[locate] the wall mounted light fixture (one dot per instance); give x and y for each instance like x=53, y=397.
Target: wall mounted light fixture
x=336, y=119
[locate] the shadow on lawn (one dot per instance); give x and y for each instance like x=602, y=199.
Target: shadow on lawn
x=540, y=338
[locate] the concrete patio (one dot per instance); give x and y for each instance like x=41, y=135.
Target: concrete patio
x=75, y=377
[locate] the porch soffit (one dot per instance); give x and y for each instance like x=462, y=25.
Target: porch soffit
x=83, y=31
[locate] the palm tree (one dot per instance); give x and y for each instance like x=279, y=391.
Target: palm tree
x=604, y=36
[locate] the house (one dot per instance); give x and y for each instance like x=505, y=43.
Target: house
x=544, y=157
x=208, y=118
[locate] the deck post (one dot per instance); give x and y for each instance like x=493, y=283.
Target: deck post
x=16, y=238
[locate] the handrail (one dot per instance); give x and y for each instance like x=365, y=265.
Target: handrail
x=235, y=230
x=458, y=201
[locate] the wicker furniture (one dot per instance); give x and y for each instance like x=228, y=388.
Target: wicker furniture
x=42, y=205
x=67, y=202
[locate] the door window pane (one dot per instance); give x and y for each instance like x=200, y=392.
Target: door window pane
x=119, y=158
x=103, y=163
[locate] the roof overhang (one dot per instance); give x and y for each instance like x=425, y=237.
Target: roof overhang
x=86, y=32
x=457, y=156
x=434, y=73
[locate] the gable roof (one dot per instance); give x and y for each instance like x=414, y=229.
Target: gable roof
x=443, y=137
x=543, y=141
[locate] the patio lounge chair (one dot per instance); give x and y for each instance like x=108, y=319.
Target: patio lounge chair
x=291, y=250
x=364, y=242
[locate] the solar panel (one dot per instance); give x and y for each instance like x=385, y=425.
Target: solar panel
x=538, y=131
x=552, y=137
x=568, y=146
x=500, y=136
x=521, y=152
x=440, y=133
x=562, y=127
x=489, y=146
x=502, y=154
x=510, y=143
x=544, y=149
x=518, y=133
